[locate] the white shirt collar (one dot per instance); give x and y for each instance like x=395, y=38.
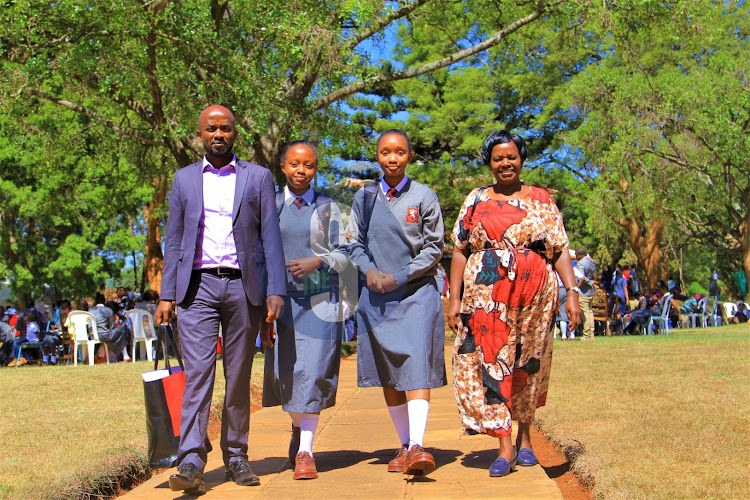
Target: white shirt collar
x=385, y=187
x=289, y=197
x=232, y=164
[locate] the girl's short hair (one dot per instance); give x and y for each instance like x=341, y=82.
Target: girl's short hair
x=395, y=131
x=301, y=142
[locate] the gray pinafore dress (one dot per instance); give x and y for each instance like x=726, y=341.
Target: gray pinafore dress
x=302, y=370
x=401, y=334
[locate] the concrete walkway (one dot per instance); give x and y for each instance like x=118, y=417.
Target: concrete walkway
x=355, y=441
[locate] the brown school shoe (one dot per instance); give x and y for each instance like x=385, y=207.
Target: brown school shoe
x=304, y=467
x=397, y=464
x=418, y=462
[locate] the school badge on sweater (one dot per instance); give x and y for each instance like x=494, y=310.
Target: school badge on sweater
x=412, y=215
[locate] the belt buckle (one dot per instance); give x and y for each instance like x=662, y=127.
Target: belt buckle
x=220, y=273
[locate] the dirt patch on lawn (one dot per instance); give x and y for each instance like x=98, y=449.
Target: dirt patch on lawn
x=557, y=467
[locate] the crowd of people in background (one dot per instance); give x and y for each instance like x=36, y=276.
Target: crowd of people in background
x=49, y=326
x=632, y=304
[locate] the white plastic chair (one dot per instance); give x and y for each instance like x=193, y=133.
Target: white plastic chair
x=714, y=316
x=84, y=322
x=138, y=317
x=702, y=303
x=662, y=319
x=730, y=309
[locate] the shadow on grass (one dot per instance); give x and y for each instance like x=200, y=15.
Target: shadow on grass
x=555, y=471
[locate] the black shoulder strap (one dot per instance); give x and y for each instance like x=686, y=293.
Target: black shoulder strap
x=279, y=201
x=371, y=196
x=476, y=202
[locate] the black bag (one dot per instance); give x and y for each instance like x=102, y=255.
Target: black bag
x=162, y=391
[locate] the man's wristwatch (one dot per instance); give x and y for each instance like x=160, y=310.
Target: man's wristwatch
x=573, y=289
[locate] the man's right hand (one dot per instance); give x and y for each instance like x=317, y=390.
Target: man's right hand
x=275, y=307
x=163, y=312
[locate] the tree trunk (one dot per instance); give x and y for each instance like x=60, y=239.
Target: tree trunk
x=644, y=241
x=745, y=243
x=268, y=150
x=153, y=260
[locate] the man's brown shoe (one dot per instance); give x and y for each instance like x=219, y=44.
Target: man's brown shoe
x=418, y=462
x=304, y=467
x=397, y=464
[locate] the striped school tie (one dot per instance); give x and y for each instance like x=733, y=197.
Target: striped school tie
x=299, y=202
x=391, y=193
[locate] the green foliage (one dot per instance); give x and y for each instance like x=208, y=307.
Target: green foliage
x=63, y=214
x=666, y=115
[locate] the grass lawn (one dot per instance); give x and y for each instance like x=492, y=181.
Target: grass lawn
x=655, y=416
x=67, y=430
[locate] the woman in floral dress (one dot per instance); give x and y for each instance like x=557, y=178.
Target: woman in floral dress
x=509, y=239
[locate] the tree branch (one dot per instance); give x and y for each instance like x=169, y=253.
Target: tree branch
x=379, y=80
x=381, y=22
x=122, y=131
x=670, y=158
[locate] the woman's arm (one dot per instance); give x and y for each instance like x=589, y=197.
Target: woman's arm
x=458, y=265
x=564, y=267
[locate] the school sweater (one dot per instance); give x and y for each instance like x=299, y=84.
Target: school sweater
x=303, y=235
x=405, y=237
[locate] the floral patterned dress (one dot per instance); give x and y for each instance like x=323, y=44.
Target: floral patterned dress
x=502, y=356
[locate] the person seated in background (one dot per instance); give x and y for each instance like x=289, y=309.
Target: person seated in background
x=53, y=337
x=742, y=315
x=6, y=331
x=641, y=317
x=116, y=338
x=32, y=314
x=639, y=301
x=11, y=316
x=121, y=304
x=149, y=301
x=28, y=331
x=677, y=293
x=690, y=306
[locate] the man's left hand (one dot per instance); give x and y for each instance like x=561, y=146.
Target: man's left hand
x=275, y=306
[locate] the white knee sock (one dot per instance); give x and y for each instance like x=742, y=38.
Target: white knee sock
x=418, y=410
x=308, y=425
x=564, y=329
x=400, y=418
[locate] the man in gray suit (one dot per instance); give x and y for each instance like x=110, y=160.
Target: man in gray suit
x=218, y=210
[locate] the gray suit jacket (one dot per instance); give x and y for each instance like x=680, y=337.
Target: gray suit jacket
x=255, y=218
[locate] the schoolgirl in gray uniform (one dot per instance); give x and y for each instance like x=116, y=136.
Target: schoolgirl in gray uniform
x=401, y=332
x=302, y=370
